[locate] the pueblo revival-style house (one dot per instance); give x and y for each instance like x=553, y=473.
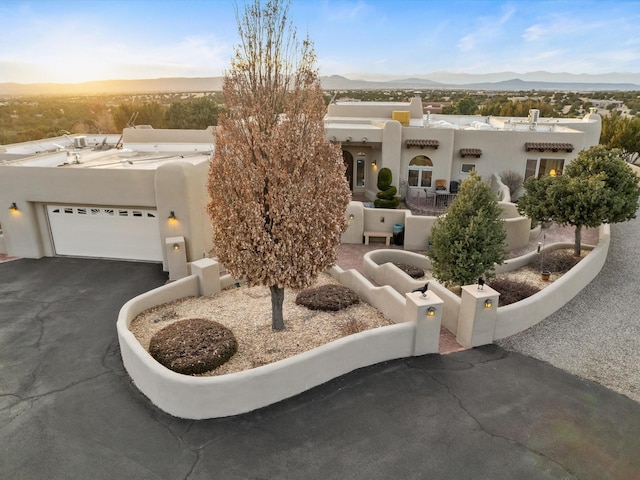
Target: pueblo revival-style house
x=142, y=195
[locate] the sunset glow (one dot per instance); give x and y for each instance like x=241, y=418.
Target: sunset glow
x=77, y=41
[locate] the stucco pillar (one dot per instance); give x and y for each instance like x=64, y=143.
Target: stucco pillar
x=478, y=312
x=176, y=251
x=391, y=152
x=208, y=272
x=426, y=312
x=355, y=219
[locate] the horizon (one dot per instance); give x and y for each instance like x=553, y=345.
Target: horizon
x=77, y=41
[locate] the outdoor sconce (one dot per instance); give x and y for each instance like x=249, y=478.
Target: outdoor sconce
x=176, y=247
x=431, y=312
x=488, y=303
x=13, y=207
x=364, y=139
x=348, y=139
x=172, y=216
x=351, y=216
x=374, y=163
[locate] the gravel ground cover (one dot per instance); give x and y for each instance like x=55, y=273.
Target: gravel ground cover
x=247, y=312
x=596, y=335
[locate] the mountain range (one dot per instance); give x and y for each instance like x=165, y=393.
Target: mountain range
x=499, y=81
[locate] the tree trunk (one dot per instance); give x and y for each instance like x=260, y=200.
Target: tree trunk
x=577, y=248
x=277, y=297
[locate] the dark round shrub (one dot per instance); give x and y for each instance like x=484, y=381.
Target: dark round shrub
x=329, y=298
x=193, y=346
x=413, y=272
x=512, y=291
x=560, y=261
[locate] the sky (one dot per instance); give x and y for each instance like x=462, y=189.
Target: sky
x=82, y=40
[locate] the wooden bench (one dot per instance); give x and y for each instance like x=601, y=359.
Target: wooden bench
x=386, y=235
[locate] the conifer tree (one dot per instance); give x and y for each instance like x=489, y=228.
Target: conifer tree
x=469, y=240
x=277, y=186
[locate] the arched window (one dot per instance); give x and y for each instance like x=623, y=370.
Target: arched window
x=420, y=172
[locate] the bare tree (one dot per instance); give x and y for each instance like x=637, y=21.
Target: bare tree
x=277, y=186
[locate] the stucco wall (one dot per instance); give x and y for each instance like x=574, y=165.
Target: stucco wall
x=519, y=316
x=173, y=186
x=26, y=232
x=208, y=397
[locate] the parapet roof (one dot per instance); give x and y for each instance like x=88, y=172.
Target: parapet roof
x=99, y=151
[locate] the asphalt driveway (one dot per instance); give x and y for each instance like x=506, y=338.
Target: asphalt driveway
x=68, y=409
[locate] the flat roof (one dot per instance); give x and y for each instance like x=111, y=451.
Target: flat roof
x=98, y=151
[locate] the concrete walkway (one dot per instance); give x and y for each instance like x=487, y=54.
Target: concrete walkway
x=69, y=411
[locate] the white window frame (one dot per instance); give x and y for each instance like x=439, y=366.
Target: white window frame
x=464, y=171
x=538, y=161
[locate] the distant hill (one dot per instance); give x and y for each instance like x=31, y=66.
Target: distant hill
x=115, y=86
x=504, y=81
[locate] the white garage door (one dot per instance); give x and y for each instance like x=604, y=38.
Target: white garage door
x=107, y=232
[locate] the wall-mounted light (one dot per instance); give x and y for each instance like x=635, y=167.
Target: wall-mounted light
x=351, y=216
x=172, y=216
x=374, y=163
x=176, y=247
x=13, y=207
x=364, y=139
x=348, y=139
x=488, y=303
x=431, y=312
x=333, y=138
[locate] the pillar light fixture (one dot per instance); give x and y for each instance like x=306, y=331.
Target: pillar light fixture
x=13, y=207
x=431, y=312
x=176, y=247
x=488, y=303
x=172, y=216
x=351, y=216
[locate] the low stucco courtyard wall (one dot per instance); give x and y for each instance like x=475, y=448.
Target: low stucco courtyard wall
x=417, y=228
x=219, y=396
x=519, y=316
x=378, y=265
x=210, y=397
x=510, y=319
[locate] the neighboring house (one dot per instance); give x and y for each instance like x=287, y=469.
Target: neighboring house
x=80, y=196
x=420, y=149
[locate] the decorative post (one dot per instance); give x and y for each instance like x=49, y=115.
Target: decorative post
x=478, y=312
x=425, y=309
x=208, y=272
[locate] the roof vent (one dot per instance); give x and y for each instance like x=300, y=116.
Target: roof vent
x=80, y=142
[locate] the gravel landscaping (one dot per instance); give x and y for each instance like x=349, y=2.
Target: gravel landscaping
x=597, y=334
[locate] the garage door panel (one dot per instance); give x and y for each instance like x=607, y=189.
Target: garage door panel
x=123, y=233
